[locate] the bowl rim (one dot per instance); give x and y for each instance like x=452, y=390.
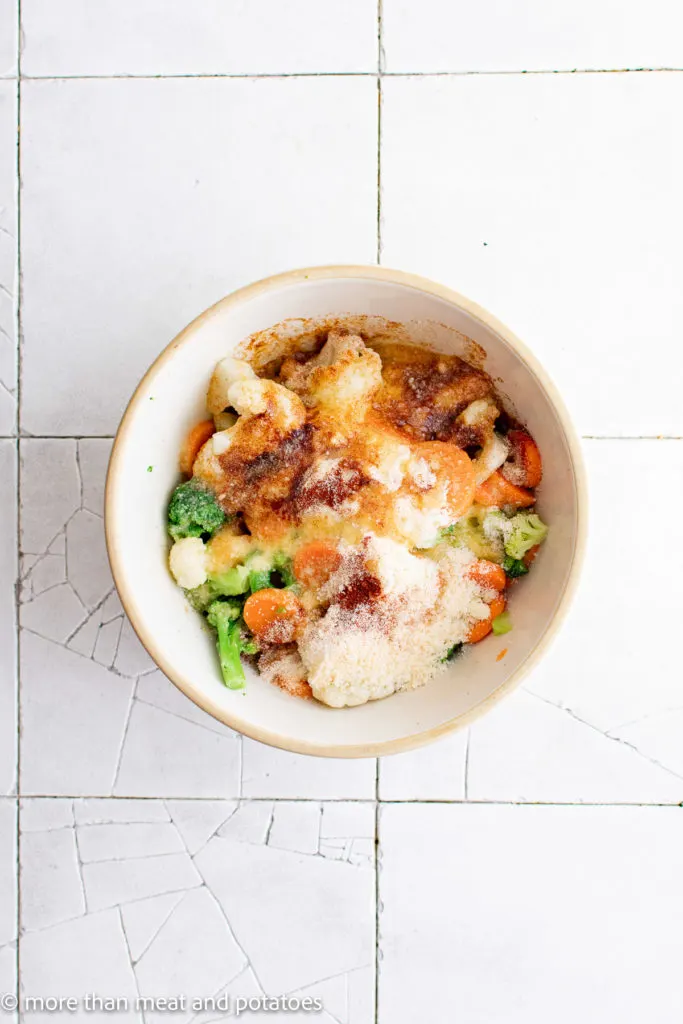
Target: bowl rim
x=130, y=604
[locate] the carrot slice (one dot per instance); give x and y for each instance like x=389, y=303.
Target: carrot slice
x=196, y=439
x=314, y=563
x=274, y=615
x=531, y=555
x=487, y=574
x=498, y=491
x=454, y=466
x=483, y=627
x=524, y=466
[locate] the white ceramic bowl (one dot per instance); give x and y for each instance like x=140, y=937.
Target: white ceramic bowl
x=171, y=397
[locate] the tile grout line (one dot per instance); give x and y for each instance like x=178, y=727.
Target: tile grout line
x=19, y=330
x=536, y=71
x=206, y=75
x=380, y=63
x=370, y=800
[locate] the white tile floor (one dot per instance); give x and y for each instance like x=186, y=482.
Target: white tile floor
x=170, y=151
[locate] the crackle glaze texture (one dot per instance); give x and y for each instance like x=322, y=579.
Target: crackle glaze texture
x=523, y=871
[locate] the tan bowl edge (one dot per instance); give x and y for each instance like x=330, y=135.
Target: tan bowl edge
x=418, y=739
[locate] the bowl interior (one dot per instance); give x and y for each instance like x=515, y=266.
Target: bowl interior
x=144, y=471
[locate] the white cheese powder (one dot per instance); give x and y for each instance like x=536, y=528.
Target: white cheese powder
x=425, y=607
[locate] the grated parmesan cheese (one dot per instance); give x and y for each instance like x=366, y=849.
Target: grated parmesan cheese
x=420, y=525
x=422, y=473
x=390, y=466
x=397, y=639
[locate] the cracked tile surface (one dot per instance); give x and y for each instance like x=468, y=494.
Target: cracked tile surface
x=161, y=899
x=8, y=875
x=605, y=733
x=568, y=907
x=161, y=853
x=8, y=242
x=8, y=573
x=85, y=731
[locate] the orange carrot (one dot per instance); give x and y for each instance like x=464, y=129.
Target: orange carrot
x=196, y=438
x=314, y=563
x=496, y=490
x=483, y=627
x=530, y=555
x=487, y=574
x=274, y=615
x=524, y=466
x=501, y=654
x=454, y=466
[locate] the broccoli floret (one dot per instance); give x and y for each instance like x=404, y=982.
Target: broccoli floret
x=518, y=533
x=249, y=644
x=274, y=573
x=201, y=597
x=259, y=579
x=283, y=567
x=223, y=611
x=514, y=567
x=526, y=530
x=193, y=511
x=230, y=583
x=470, y=532
x=224, y=617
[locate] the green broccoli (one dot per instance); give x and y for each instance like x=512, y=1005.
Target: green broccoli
x=514, y=567
x=193, y=511
x=518, y=534
x=525, y=532
x=259, y=579
x=265, y=571
x=224, y=617
x=249, y=644
x=230, y=583
x=283, y=567
x=469, y=532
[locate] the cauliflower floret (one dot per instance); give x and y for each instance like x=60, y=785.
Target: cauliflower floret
x=481, y=412
x=389, y=464
x=206, y=466
x=341, y=378
x=336, y=346
x=254, y=397
x=420, y=524
x=345, y=387
x=421, y=473
x=226, y=372
x=187, y=562
x=491, y=457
